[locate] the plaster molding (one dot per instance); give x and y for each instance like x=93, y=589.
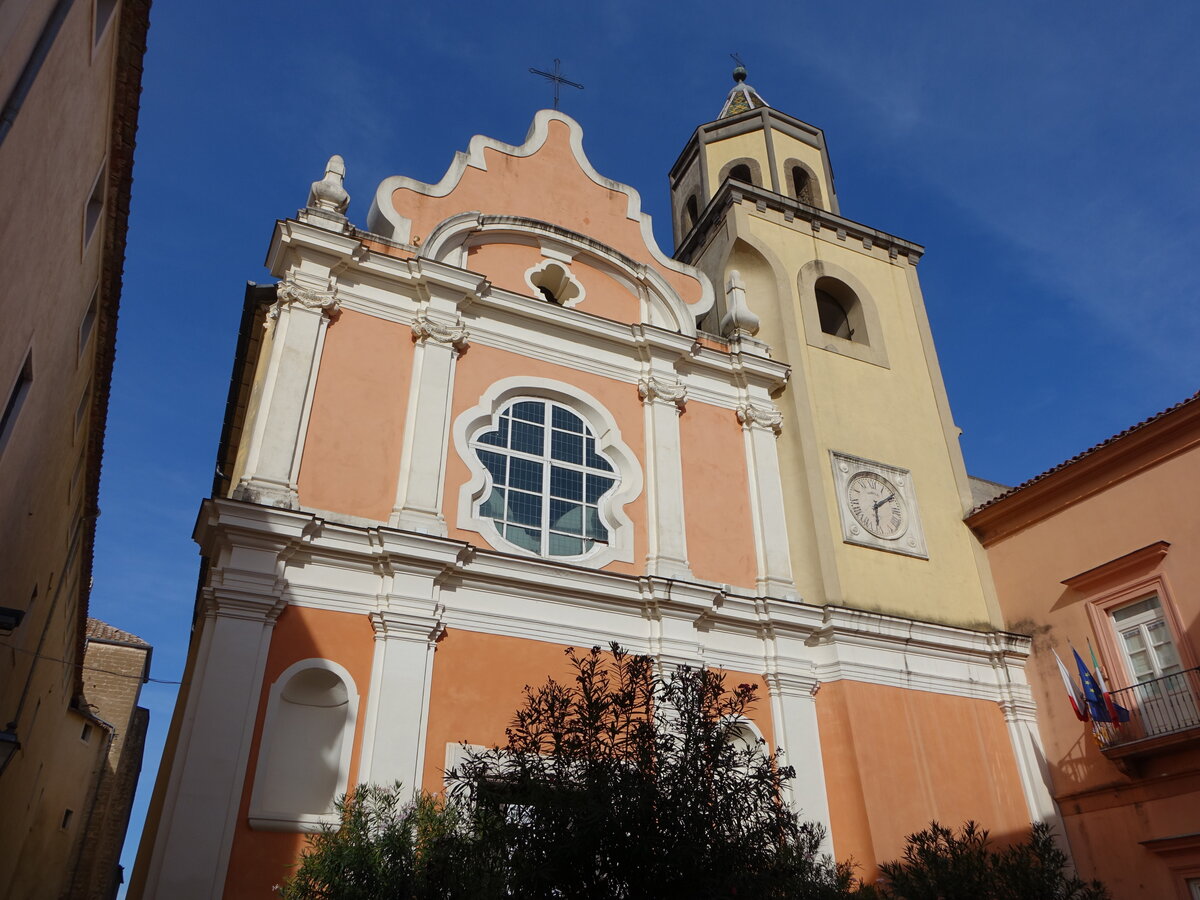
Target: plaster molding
x=289, y=293
x=651, y=389
x=519, y=596
x=425, y=329
x=761, y=416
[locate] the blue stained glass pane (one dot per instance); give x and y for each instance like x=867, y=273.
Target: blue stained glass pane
x=493, y=506
x=529, y=538
x=561, y=545
x=593, y=459
x=597, y=486
x=494, y=463
x=595, y=528
x=525, y=509
x=566, y=516
x=566, y=483
x=567, y=447
x=497, y=438
x=525, y=474
x=567, y=421
x=529, y=411
x=528, y=438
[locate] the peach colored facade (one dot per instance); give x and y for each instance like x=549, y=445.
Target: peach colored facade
x=377, y=590
x=70, y=78
x=1074, y=553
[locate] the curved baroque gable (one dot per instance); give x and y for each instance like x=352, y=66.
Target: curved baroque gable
x=548, y=179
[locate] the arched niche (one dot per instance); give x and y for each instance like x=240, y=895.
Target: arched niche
x=738, y=168
x=690, y=214
x=304, y=754
x=821, y=283
x=798, y=177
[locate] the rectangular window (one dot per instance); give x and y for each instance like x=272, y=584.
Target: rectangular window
x=16, y=398
x=86, y=734
x=82, y=408
x=88, y=322
x=1145, y=640
x=102, y=14
x=93, y=210
x=68, y=814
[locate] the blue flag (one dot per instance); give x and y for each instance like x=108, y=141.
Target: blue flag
x=1098, y=704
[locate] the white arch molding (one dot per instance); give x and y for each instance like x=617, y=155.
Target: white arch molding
x=662, y=305
x=292, y=778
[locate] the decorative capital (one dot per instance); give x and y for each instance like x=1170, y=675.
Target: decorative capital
x=288, y=293
x=762, y=416
x=651, y=388
x=786, y=684
x=329, y=194
x=426, y=329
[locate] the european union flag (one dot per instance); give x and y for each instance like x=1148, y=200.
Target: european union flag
x=1100, y=706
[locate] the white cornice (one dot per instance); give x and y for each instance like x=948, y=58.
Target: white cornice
x=367, y=570
x=396, y=289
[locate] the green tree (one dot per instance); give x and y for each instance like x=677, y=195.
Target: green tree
x=941, y=865
x=389, y=846
x=628, y=783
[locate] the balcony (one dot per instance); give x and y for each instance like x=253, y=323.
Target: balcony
x=1163, y=713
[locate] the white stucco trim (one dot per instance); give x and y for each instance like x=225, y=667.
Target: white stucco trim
x=451, y=239
x=279, y=820
x=608, y=441
x=385, y=220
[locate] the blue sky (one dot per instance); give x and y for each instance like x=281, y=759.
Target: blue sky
x=1044, y=153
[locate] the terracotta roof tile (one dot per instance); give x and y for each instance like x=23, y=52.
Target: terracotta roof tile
x=102, y=631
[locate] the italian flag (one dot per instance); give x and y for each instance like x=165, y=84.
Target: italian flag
x=1076, y=698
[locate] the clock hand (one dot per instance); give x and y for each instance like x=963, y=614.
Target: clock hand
x=883, y=501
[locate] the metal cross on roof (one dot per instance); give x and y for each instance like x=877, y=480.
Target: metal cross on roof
x=557, y=78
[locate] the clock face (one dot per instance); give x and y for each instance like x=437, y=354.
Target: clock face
x=877, y=505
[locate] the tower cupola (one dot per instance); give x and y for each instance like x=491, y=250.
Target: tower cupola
x=750, y=143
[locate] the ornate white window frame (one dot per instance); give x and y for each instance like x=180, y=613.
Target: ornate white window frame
x=262, y=819
x=485, y=415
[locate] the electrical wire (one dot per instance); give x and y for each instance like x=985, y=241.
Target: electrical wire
x=37, y=655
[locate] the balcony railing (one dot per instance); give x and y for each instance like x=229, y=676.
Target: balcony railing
x=1158, y=707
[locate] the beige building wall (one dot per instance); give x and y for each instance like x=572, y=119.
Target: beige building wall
x=69, y=82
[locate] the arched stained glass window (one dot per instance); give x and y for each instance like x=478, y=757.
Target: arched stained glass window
x=547, y=479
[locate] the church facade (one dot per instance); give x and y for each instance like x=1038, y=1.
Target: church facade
x=499, y=421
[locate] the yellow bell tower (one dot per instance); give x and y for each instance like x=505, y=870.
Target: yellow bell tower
x=875, y=488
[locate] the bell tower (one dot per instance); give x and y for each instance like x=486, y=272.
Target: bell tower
x=873, y=478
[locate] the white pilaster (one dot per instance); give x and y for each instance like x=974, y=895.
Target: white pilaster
x=426, y=427
x=761, y=424
x=208, y=774
x=406, y=633
x=794, y=713
x=1020, y=717
x=299, y=318
x=663, y=400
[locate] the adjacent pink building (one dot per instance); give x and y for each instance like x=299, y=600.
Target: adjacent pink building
x=1103, y=549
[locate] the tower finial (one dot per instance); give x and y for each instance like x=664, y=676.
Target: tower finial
x=739, y=71
x=742, y=98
